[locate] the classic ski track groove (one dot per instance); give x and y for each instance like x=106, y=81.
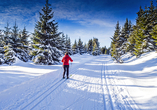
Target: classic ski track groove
x=44, y=93
x=72, y=71
x=118, y=95
x=58, y=83
x=132, y=100
x=18, y=104
x=103, y=87
x=82, y=99
x=126, y=101
x=107, y=88
x=39, y=94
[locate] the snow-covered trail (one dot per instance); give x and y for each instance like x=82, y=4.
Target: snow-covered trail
x=93, y=85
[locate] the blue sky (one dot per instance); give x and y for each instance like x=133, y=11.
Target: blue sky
x=83, y=19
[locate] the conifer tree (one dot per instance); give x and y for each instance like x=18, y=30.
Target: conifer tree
x=131, y=41
x=63, y=43
x=75, y=47
x=1, y=48
x=146, y=21
x=23, y=36
x=68, y=45
x=125, y=33
x=15, y=37
x=17, y=44
x=4, y=39
x=80, y=46
x=7, y=34
x=154, y=34
x=115, y=46
x=85, y=48
x=12, y=49
x=103, y=50
x=138, y=39
x=46, y=37
x=151, y=22
x=1, y=38
x=139, y=42
x=90, y=46
x=10, y=55
x=96, y=49
x=106, y=51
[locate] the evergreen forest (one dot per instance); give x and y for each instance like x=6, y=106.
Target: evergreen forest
x=136, y=39
x=46, y=45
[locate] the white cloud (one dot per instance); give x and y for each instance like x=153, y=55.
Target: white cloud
x=24, y=16
x=77, y=11
x=83, y=18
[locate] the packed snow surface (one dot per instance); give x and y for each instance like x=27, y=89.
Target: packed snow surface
x=95, y=83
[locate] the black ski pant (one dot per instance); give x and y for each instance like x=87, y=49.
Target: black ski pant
x=66, y=69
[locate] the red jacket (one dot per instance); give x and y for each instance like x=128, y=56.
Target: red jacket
x=66, y=59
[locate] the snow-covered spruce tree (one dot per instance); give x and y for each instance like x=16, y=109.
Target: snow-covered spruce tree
x=115, y=45
x=150, y=20
x=103, y=50
x=4, y=39
x=75, y=47
x=45, y=38
x=10, y=54
x=140, y=42
x=17, y=42
x=107, y=51
x=80, y=47
x=23, y=35
x=13, y=46
x=1, y=48
x=96, y=48
x=85, y=48
x=68, y=45
x=90, y=46
x=146, y=20
x=154, y=34
x=62, y=43
x=7, y=34
x=123, y=38
x=1, y=38
x=131, y=41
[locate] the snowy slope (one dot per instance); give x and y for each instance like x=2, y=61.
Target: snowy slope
x=96, y=83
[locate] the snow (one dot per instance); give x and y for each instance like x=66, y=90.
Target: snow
x=95, y=83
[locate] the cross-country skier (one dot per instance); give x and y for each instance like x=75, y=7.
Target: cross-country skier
x=65, y=61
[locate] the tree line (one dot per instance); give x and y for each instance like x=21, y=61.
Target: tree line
x=136, y=39
x=45, y=46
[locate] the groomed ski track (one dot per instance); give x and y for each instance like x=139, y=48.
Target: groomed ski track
x=91, y=86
